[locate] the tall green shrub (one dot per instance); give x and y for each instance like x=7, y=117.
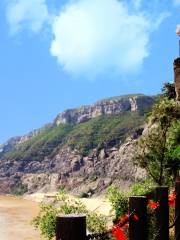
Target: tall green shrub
x=63, y=204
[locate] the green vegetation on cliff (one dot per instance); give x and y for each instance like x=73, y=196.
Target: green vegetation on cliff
x=97, y=132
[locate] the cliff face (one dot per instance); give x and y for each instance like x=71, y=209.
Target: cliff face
x=12, y=143
x=86, y=148
x=116, y=106
x=70, y=169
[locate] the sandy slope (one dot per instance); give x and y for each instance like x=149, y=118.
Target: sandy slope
x=100, y=205
x=15, y=217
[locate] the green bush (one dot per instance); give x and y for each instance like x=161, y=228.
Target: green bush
x=119, y=199
x=156, y=148
x=63, y=204
x=19, y=190
x=119, y=202
x=142, y=188
x=46, y=221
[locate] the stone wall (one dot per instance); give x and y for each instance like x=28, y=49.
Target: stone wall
x=177, y=77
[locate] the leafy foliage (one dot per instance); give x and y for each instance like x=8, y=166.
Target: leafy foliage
x=19, y=190
x=154, y=151
x=41, y=145
x=45, y=221
x=119, y=202
x=169, y=90
x=173, y=163
x=102, y=130
x=142, y=188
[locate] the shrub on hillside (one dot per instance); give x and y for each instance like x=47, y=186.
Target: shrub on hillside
x=119, y=202
x=63, y=204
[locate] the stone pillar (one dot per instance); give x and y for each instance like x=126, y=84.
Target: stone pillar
x=177, y=77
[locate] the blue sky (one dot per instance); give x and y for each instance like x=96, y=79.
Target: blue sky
x=56, y=55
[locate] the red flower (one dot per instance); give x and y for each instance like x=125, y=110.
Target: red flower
x=136, y=218
x=172, y=199
x=153, y=205
x=118, y=233
x=123, y=220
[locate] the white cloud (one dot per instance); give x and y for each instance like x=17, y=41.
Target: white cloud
x=92, y=37
x=26, y=13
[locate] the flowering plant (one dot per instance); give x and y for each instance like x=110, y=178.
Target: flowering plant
x=121, y=225
x=172, y=199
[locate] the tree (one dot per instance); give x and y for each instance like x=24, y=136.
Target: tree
x=155, y=146
x=169, y=90
x=173, y=163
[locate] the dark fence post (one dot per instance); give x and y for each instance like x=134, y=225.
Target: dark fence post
x=177, y=210
x=71, y=227
x=138, y=229
x=162, y=214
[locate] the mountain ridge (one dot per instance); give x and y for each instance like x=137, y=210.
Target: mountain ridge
x=114, y=105
x=79, y=144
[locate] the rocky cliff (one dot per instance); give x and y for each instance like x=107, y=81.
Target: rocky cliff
x=13, y=142
x=84, y=150
x=111, y=106
x=70, y=169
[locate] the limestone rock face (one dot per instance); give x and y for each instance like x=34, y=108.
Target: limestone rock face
x=177, y=77
x=68, y=167
x=74, y=171
x=116, y=106
x=15, y=141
